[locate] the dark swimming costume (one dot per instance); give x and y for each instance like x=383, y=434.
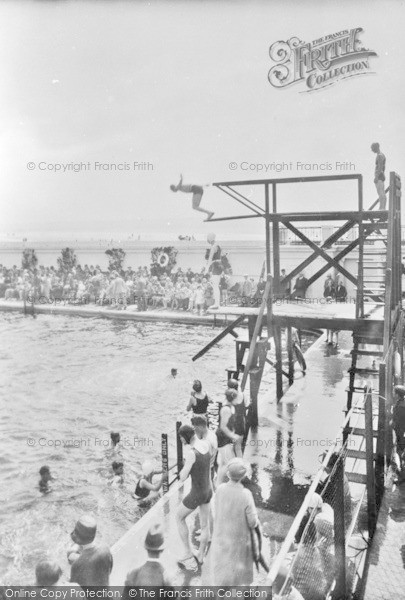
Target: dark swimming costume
x=201, y=490
x=240, y=418
x=202, y=405
x=197, y=189
x=222, y=438
x=140, y=491
x=381, y=176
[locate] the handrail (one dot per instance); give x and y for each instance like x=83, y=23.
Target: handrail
x=288, y=541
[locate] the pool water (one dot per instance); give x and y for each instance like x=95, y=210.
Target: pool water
x=65, y=384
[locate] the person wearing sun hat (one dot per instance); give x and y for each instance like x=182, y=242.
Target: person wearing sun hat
x=94, y=563
x=152, y=572
x=230, y=560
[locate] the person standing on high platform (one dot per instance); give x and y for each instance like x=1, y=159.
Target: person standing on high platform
x=379, y=174
x=213, y=256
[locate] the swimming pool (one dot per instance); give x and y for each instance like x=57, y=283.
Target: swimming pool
x=66, y=383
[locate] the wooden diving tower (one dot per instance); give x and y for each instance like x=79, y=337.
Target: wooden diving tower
x=375, y=320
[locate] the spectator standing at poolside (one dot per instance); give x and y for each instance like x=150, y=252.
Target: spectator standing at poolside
x=261, y=286
x=247, y=288
x=329, y=288
x=94, y=564
x=119, y=291
x=341, y=292
x=214, y=267
x=199, y=299
x=223, y=288
x=140, y=291
x=300, y=286
x=379, y=174
x=329, y=294
x=230, y=560
x=152, y=572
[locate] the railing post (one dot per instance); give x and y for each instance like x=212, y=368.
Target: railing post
x=290, y=356
x=371, y=496
x=165, y=464
x=340, y=532
x=380, y=446
x=179, y=449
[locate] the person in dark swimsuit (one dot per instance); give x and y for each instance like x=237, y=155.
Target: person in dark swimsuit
x=241, y=406
x=226, y=435
x=199, y=400
x=145, y=489
x=198, y=466
x=197, y=191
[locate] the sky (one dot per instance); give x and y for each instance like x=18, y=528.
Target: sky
x=182, y=86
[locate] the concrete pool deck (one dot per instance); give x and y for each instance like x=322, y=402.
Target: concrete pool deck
x=283, y=459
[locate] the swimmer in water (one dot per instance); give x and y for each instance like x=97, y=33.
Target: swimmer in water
x=197, y=191
x=115, y=438
x=118, y=470
x=145, y=489
x=173, y=373
x=45, y=480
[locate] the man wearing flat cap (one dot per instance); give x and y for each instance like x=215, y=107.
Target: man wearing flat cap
x=152, y=572
x=94, y=564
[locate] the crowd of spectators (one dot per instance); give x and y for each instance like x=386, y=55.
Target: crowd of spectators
x=185, y=290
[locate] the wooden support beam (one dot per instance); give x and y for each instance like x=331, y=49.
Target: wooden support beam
x=333, y=262
x=290, y=355
x=219, y=337
x=276, y=245
x=256, y=331
x=279, y=362
x=310, y=179
x=274, y=364
x=371, y=497
x=362, y=327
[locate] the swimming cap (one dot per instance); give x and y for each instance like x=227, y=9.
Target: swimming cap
x=148, y=467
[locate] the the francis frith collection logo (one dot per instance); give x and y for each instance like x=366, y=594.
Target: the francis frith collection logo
x=320, y=63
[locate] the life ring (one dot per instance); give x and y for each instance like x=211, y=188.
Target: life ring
x=300, y=357
x=163, y=259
